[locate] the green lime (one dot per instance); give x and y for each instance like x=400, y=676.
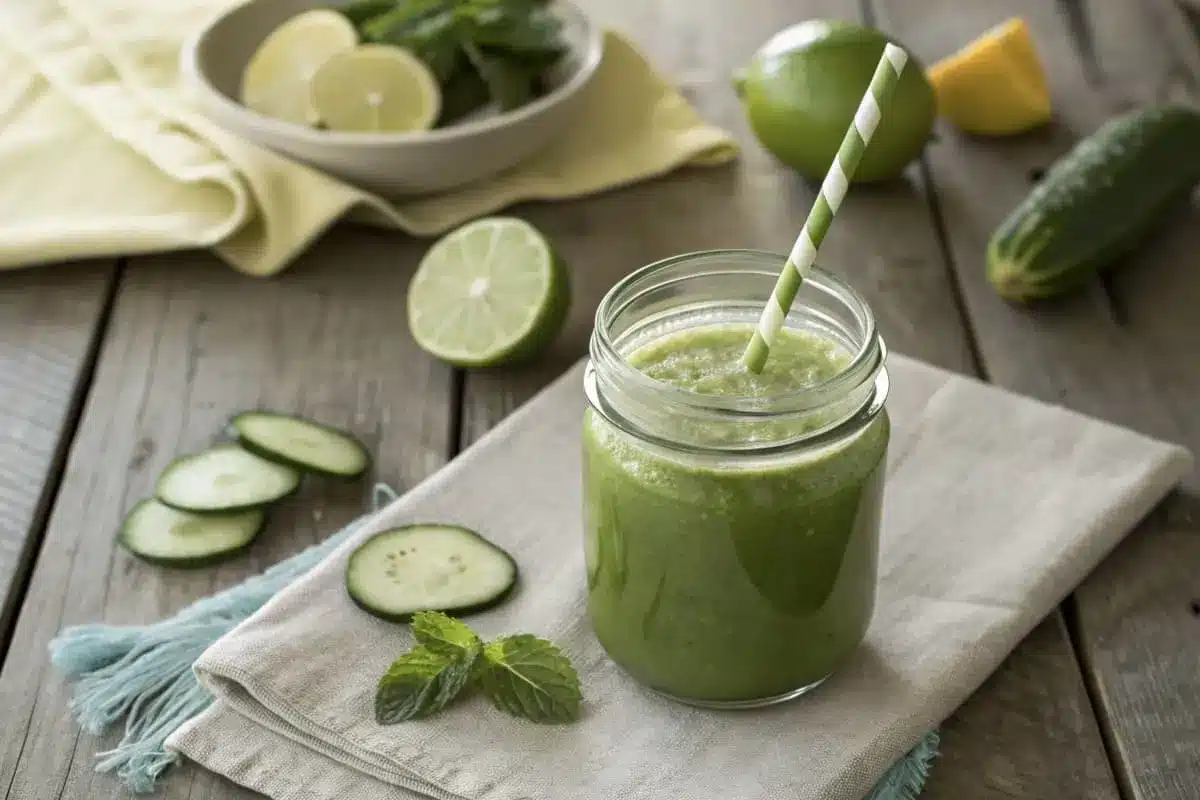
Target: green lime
x=801, y=89
x=491, y=292
x=276, y=80
x=376, y=88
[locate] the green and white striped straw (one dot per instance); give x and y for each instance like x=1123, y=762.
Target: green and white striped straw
x=833, y=189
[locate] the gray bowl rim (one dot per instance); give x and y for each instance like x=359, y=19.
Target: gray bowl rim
x=590, y=63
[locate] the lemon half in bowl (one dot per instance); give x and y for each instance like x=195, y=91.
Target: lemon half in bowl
x=375, y=88
x=277, y=80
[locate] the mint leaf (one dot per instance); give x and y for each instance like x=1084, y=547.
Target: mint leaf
x=509, y=85
x=359, y=11
x=463, y=93
x=530, y=677
x=517, y=29
x=443, y=634
x=421, y=682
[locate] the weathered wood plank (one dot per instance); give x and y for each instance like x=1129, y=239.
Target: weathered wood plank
x=1123, y=350
x=1010, y=738
x=1137, y=621
x=1028, y=733
x=49, y=320
x=1057, y=352
x=191, y=341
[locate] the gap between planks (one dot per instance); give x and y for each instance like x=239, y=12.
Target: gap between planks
x=25, y=563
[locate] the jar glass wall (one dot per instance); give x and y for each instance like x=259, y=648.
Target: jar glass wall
x=732, y=520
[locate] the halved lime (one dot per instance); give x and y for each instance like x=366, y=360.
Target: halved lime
x=491, y=292
x=276, y=80
x=376, y=88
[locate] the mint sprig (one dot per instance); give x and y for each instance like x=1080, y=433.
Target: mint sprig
x=522, y=675
x=529, y=677
x=422, y=682
x=443, y=634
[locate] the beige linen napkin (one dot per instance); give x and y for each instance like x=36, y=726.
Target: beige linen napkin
x=996, y=506
x=102, y=154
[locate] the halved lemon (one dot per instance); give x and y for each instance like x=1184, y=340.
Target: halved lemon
x=276, y=80
x=996, y=85
x=376, y=88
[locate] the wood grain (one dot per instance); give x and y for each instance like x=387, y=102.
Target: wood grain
x=1137, y=621
x=190, y=342
x=1029, y=731
x=1124, y=349
x=49, y=321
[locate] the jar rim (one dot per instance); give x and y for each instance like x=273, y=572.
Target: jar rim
x=865, y=363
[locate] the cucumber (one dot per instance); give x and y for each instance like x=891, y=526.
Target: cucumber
x=301, y=444
x=1096, y=203
x=165, y=536
x=224, y=479
x=428, y=567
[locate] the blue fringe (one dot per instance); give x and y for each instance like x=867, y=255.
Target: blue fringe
x=143, y=674
x=906, y=779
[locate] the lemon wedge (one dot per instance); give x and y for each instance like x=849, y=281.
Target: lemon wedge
x=376, y=88
x=276, y=80
x=996, y=85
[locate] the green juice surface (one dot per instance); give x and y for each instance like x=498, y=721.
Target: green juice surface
x=737, y=580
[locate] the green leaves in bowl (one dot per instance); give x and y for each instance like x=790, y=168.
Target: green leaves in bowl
x=481, y=51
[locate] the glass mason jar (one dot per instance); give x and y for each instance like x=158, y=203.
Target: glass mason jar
x=732, y=534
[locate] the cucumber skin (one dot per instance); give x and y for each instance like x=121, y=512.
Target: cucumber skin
x=189, y=563
x=1096, y=204
x=303, y=469
x=450, y=612
x=184, y=563
x=462, y=611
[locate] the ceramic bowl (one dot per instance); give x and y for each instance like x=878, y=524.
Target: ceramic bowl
x=385, y=163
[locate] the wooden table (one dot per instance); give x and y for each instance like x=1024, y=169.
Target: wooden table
x=108, y=369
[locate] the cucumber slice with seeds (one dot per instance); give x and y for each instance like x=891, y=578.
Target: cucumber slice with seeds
x=428, y=567
x=301, y=444
x=223, y=479
x=168, y=537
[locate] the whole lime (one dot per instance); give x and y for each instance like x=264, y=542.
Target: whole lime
x=801, y=89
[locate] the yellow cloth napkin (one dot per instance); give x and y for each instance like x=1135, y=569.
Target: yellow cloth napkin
x=102, y=155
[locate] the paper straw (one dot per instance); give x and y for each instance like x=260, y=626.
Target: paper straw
x=833, y=189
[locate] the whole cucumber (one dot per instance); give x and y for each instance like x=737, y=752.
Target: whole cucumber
x=1096, y=203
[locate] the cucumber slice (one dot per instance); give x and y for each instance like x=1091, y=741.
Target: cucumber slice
x=223, y=479
x=301, y=444
x=163, y=535
x=428, y=567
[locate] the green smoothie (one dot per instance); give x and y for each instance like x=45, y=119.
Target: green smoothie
x=733, y=580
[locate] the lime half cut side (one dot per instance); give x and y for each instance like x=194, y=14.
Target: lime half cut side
x=276, y=81
x=492, y=292
x=376, y=88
